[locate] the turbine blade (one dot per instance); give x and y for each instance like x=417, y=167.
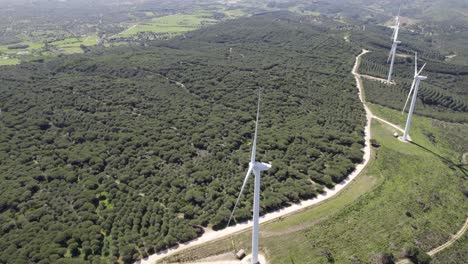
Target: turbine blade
x=416, y=63
x=249, y=171
x=392, y=50
x=422, y=68
x=409, y=95
x=254, y=145
x=395, y=37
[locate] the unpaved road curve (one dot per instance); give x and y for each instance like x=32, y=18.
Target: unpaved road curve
x=447, y=244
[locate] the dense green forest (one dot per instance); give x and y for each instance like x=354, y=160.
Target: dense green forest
x=113, y=156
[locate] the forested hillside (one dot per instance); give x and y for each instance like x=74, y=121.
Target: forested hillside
x=442, y=96
x=117, y=155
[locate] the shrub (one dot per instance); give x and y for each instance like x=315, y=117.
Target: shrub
x=328, y=255
x=422, y=258
x=416, y=255
x=410, y=251
x=384, y=258
x=374, y=143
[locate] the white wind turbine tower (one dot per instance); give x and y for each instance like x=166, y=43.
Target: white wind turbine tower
x=414, y=89
x=394, y=46
x=256, y=168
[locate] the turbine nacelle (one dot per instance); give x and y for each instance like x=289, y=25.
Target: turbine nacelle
x=260, y=166
x=421, y=78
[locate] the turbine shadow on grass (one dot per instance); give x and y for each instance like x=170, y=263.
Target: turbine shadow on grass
x=460, y=166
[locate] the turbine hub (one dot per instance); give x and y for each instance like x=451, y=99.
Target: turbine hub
x=261, y=166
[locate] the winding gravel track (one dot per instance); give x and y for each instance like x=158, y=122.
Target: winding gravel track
x=361, y=88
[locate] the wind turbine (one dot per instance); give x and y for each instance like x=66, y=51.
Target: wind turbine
x=395, y=43
x=414, y=89
x=256, y=168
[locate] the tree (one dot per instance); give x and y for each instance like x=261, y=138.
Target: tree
x=328, y=255
x=127, y=252
x=220, y=219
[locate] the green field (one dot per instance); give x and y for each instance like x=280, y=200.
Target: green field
x=170, y=24
x=65, y=46
x=409, y=192
x=234, y=13
x=76, y=42
x=11, y=56
x=72, y=45
x=32, y=46
x=5, y=62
